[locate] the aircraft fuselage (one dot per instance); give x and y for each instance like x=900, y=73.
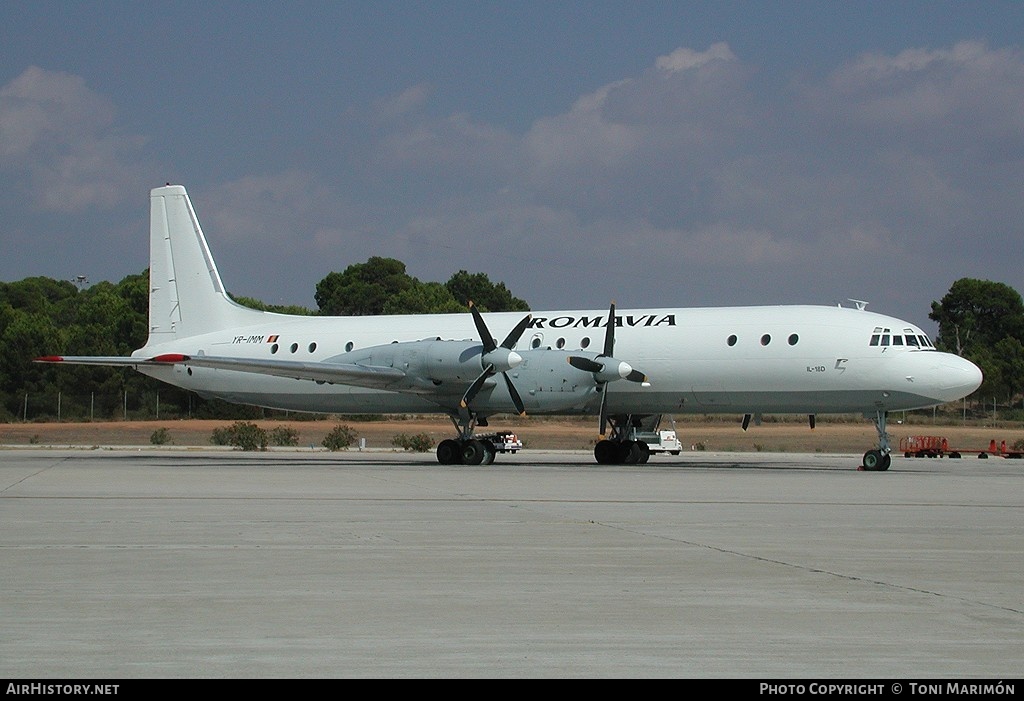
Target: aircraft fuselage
x=799, y=359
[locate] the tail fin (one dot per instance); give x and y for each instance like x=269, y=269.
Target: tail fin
x=186, y=297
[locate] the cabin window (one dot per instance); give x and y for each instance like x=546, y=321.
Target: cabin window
x=349, y=346
x=312, y=347
x=732, y=340
x=585, y=343
x=295, y=347
x=793, y=339
x=535, y=343
x=766, y=339
x=273, y=349
x=560, y=343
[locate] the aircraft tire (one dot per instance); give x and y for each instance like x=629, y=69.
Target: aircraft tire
x=449, y=452
x=629, y=453
x=604, y=452
x=489, y=453
x=871, y=459
x=472, y=452
x=645, y=452
x=875, y=461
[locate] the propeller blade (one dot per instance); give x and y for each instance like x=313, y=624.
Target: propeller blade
x=585, y=364
x=609, y=333
x=603, y=421
x=513, y=336
x=514, y=393
x=475, y=387
x=481, y=328
x=508, y=360
x=636, y=376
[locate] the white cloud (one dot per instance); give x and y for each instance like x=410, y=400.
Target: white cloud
x=968, y=88
x=449, y=148
x=684, y=59
x=60, y=137
x=406, y=102
x=688, y=165
x=276, y=209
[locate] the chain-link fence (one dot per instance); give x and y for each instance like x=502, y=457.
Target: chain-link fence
x=146, y=405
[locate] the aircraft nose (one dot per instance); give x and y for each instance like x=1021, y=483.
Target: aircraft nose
x=959, y=377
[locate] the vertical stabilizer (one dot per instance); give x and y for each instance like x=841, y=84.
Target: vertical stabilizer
x=186, y=295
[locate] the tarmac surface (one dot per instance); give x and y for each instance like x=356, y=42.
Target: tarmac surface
x=153, y=563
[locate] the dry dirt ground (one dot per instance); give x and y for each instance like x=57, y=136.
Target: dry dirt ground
x=829, y=436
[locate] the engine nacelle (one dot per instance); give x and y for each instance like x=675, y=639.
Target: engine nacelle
x=548, y=382
x=544, y=378
x=430, y=360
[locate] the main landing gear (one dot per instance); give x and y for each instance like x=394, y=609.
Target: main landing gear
x=879, y=459
x=620, y=449
x=466, y=449
x=494, y=359
x=627, y=452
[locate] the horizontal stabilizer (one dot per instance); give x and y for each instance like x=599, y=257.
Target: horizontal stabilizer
x=117, y=361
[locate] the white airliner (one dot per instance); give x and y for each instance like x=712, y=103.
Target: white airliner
x=627, y=367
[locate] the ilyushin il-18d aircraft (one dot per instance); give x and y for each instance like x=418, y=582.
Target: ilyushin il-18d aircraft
x=625, y=367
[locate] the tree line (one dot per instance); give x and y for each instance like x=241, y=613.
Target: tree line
x=978, y=319
x=42, y=316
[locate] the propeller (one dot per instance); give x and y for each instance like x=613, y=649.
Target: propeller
x=608, y=370
x=497, y=358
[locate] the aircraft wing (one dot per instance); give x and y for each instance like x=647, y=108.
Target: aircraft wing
x=371, y=376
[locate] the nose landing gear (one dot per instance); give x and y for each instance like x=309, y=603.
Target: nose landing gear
x=879, y=459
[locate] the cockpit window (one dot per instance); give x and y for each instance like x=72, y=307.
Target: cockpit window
x=885, y=337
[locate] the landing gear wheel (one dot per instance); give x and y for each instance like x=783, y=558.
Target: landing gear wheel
x=472, y=452
x=489, y=453
x=629, y=453
x=645, y=452
x=449, y=452
x=604, y=452
x=876, y=461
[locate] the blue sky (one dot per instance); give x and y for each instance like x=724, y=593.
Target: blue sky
x=655, y=153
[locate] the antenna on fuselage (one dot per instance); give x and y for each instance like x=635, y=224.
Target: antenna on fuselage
x=861, y=304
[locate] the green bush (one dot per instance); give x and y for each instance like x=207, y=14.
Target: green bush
x=161, y=436
x=284, y=436
x=221, y=436
x=339, y=438
x=241, y=434
x=418, y=443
